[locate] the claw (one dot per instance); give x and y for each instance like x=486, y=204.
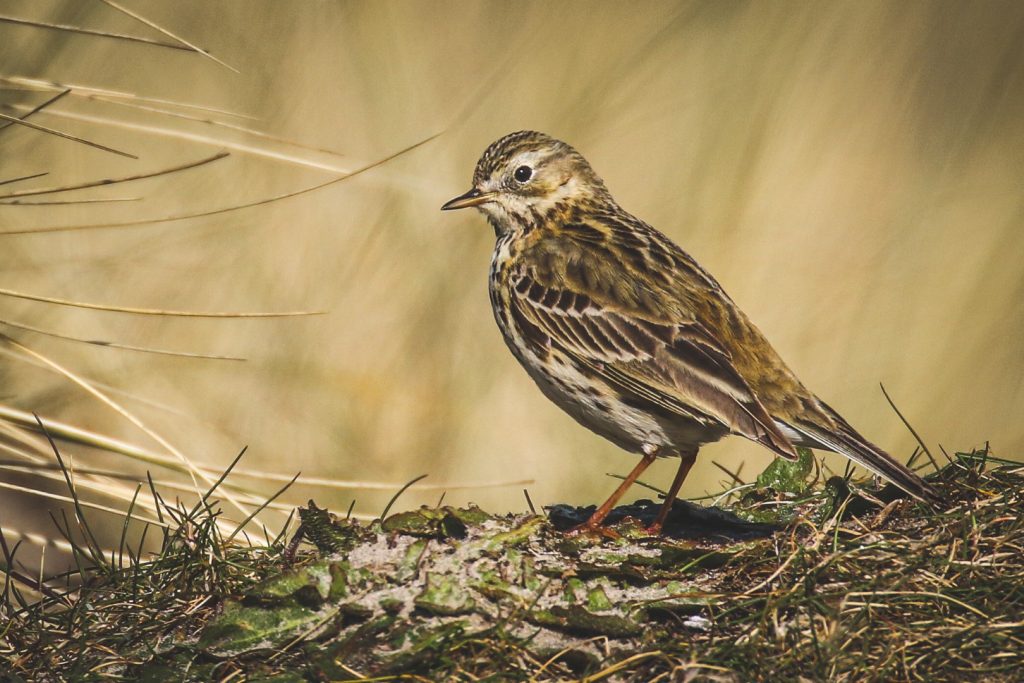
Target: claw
x=654, y=530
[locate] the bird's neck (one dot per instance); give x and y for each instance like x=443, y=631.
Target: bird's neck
x=518, y=219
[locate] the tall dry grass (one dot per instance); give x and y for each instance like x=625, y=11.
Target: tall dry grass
x=851, y=172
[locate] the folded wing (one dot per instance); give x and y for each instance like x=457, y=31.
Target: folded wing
x=608, y=320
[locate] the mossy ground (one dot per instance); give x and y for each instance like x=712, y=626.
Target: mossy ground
x=788, y=583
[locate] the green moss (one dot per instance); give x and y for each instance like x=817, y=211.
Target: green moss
x=445, y=522
x=242, y=629
x=788, y=476
x=309, y=585
x=597, y=599
x=576, y=619
x=329, y=533
x=445, y=595
x=519, y=534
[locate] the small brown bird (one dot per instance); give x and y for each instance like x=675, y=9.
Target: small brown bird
x=628, y=334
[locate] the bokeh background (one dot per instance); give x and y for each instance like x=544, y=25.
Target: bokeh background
x=851, y=172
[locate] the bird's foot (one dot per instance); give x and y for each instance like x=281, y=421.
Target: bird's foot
x=592, y=531
x=654, y=530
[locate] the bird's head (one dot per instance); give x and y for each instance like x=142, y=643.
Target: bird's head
x=524, y=176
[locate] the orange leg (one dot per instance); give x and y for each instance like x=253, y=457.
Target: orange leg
x=594, y=523
x=686, y=461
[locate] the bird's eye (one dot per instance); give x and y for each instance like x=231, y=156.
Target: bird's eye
x=523, y=173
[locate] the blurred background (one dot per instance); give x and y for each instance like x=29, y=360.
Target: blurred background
x=850, y=172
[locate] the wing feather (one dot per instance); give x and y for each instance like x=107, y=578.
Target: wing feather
x=676, y=365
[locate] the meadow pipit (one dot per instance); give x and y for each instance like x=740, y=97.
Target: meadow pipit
x=628, y=334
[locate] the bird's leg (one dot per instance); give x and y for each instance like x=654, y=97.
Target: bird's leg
x=686, y=461
x=594, y=523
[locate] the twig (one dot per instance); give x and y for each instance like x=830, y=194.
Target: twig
x=69, y=202
x=167, y=33
x=87, y=91
x=387, y=508
x=529, y=502
x=222, y=210
x=35, y=585
x=116, y=345
x=37, y=108
x=66, y=136
x=24, y=177
x=913, y=431
x=34, y=192
x=177, y=133
x=192, y=470
x=735, y=476
x=259, y=509
x=155, y=311
x=66, y=499
x=90, y=32
x=84, y=436
x=206, y=120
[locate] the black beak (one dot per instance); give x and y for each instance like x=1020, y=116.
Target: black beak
x=472, y=198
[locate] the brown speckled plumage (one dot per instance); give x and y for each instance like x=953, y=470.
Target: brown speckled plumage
x=625, y=331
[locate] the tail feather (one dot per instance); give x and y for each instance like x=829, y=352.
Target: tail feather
x=845, y=440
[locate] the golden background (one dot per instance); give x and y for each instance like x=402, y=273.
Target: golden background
x=851, y=173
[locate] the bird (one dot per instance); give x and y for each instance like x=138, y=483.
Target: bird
x=629, y=335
